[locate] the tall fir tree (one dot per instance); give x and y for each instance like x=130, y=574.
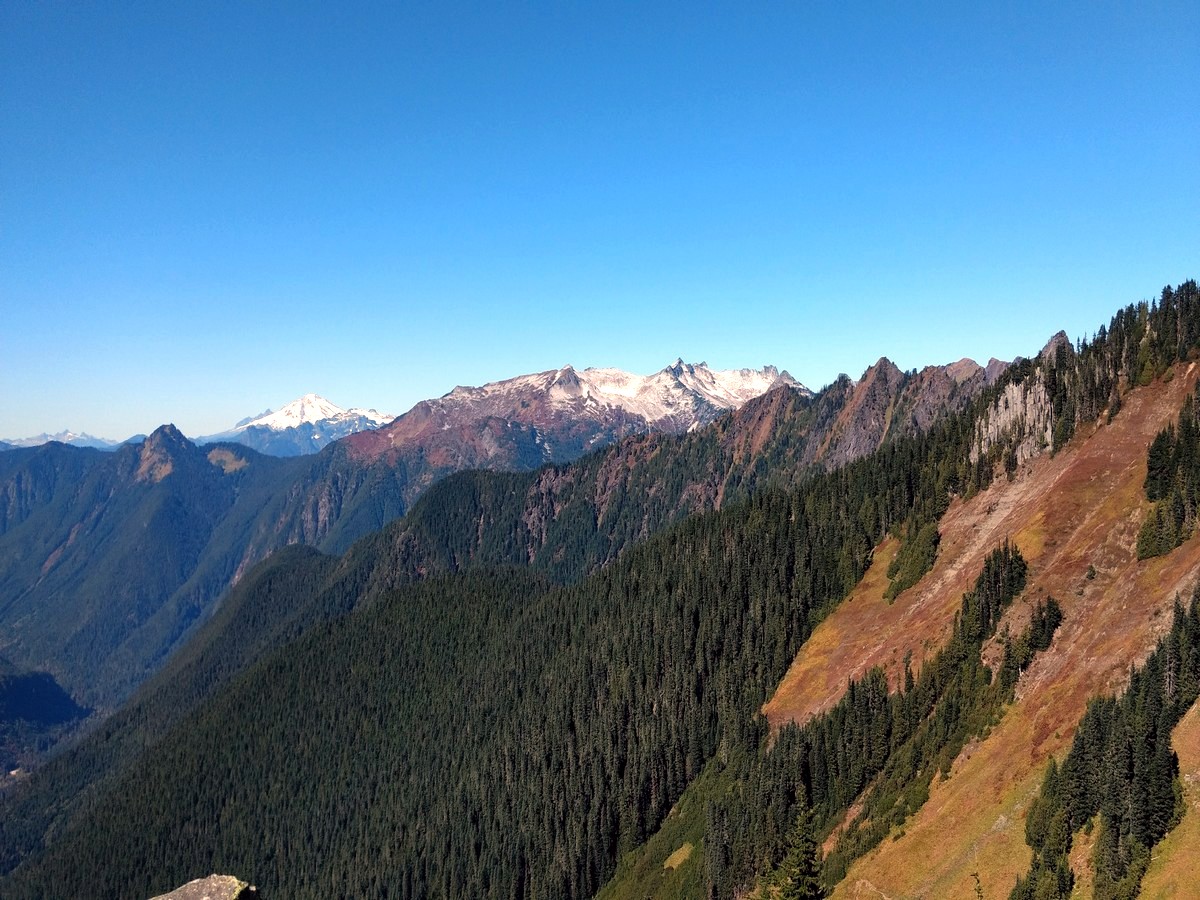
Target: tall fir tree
x=802, y=865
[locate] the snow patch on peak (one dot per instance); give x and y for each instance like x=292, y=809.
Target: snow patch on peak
x=678, y=397
x=310, y=409
x=305, y=425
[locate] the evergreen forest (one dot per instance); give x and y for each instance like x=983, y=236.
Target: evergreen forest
x=506, y=692
x=1121, y=775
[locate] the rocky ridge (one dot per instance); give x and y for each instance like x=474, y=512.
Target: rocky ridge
x=558, y=415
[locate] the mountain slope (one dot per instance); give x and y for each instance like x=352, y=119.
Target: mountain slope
x=1076, y=516
x=565, y=521
x=105, y=560
x=1081, y=508
x=404, y=657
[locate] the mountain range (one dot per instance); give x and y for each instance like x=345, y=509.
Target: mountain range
x=830, y=638
x=108, y=560
x=608, y=401
x=82, y=439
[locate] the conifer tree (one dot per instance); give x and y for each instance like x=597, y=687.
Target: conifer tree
x=801, y=867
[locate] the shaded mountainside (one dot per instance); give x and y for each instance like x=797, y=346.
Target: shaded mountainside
x=34, y=712
x=108, y=561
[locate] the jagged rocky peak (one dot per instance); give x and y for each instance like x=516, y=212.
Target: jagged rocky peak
x=967, y=369
x=214, y=887
x=994, y=369
x=574, y=411
x=1056, y=345
x=884, y=370
x=166, y=437
x=658, y=398
x=567, y=381
x=964, y=370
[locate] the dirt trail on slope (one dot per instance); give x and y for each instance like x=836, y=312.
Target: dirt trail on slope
x=1083, y=507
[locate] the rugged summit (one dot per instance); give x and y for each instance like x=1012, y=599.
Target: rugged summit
x=557, y=415
x=303, y=426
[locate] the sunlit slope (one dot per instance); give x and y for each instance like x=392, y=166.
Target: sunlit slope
x=1078, y=509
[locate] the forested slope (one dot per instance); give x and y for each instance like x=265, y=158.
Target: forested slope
x=510, y=730
x=629, y=680
x=109, y=561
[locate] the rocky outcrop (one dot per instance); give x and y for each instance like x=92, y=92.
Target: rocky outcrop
x=1021, y=417
x=214, y=887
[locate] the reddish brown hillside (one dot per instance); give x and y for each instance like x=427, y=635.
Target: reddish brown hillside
x=1080, y=508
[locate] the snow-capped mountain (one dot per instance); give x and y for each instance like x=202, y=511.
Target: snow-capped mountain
x=303, y=426
x=77, y=439
x=680, y=397
x=557, y=415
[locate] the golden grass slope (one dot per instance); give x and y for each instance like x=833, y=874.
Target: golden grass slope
x=1082, y=507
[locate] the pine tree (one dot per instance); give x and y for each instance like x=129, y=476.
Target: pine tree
x=801, y=867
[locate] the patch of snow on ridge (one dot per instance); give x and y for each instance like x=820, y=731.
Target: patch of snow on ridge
x=678, y=394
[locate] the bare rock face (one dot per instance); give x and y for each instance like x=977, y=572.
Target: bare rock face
x=214, y=887
x=1021, y=415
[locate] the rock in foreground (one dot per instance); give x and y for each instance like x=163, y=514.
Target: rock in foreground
x=214, y=887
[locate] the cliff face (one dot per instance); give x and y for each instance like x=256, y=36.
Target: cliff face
x=888, y=403
x=1023, y=415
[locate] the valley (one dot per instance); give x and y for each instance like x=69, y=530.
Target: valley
x=637, y=631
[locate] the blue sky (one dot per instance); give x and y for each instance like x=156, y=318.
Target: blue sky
x=207, y=209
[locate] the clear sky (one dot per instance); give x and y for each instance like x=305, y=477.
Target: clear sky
x=211, y=208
